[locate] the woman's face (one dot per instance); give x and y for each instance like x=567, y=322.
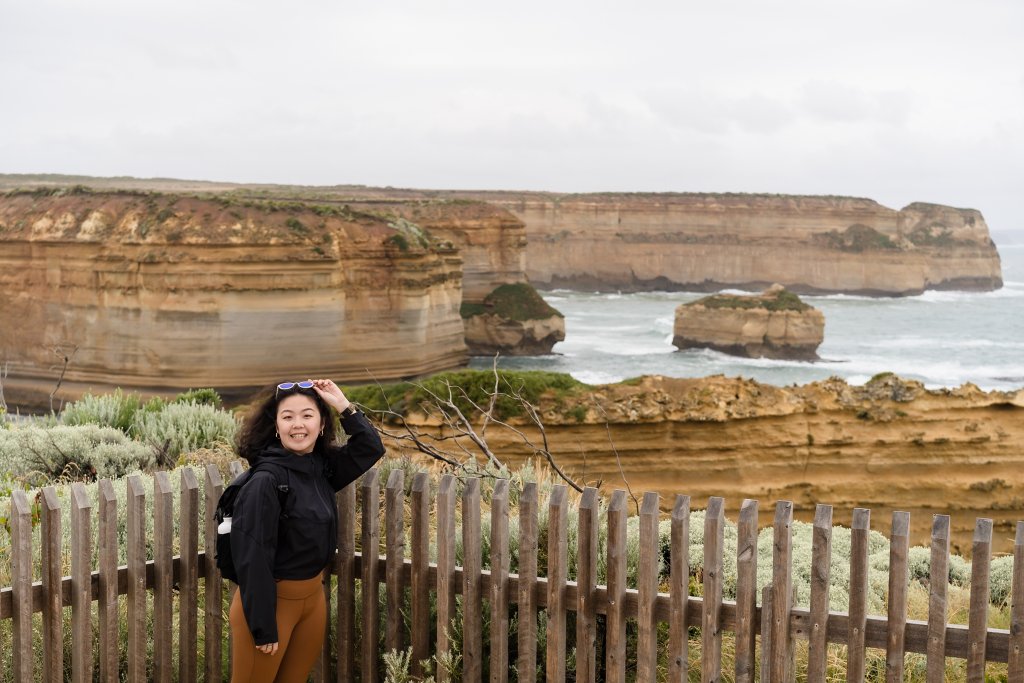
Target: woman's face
x=298, y=423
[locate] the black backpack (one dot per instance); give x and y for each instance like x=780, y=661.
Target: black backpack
x=226, y=506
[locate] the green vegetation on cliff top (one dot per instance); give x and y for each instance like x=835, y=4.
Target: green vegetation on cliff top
x=782, y=300
x=514, y=302
x=468, y=387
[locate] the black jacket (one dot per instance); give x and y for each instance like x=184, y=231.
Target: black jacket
x=269, y=543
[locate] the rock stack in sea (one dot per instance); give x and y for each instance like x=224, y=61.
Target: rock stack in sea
x=512, y=320
x=773, y=324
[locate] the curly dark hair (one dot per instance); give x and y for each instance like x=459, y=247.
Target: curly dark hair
x=258, y=432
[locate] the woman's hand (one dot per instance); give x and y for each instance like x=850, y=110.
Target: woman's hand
x=331, y=394
x=268, y=649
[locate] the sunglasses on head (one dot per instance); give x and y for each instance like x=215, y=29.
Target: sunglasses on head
x=285, y=386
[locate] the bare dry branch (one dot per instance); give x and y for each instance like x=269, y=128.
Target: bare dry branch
x=618, y=460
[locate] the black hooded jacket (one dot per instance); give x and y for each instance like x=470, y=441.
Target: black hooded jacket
x=269, y=543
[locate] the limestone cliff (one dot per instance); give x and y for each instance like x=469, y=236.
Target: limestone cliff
x=706, y=242
x=491, y=240
x=502, y=313
x=702, y=242
x=163, y=292
x=774, y=324
x=889, y=445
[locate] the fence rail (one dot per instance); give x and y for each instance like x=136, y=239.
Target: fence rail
x=763, y=632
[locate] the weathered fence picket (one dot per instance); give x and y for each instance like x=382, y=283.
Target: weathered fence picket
x=601, y=612
x=937, y=590
x=679, y=587
x=977, y=627
x=526, y=642
x=647, y=592
x=821, y=569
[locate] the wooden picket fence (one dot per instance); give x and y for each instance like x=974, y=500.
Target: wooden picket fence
x=776, y=620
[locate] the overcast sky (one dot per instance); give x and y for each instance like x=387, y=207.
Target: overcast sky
x=896, y=100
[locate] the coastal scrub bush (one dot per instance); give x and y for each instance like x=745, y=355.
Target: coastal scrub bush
x=404, y=397
x=115, y=410
x=205, y=396
x=183, y=427
x=41, y=453
x=519, y=301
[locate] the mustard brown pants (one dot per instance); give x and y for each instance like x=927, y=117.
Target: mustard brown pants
x=301, y=620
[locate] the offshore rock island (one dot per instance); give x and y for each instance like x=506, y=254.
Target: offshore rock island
x=774, y=324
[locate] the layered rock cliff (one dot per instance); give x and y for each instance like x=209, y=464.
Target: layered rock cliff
x=706, y=242
x=163, y=292
x=502, y=313
x=774, y=324
x=889, y=445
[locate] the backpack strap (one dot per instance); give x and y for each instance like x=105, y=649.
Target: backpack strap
x=282, y=489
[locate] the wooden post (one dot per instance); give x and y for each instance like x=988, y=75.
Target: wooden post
x=213, y=618
x=81, y=585
x=188, y=584
x=498, y=595
x=558, y=516
x=526, y=664
x=394, y=511
x=938, y=582
x=345, y=569
x=445, y=568
x=746, y=592
x=108, y=595
x=977, y=626
x=711, y=630
x=899, y=578
x=370, y=488
x=586, y=583
x=420, y=594
x=647, y=591
x=472, y=603
x=821, y=562
x=136, y=555
x=780, y=657
x=163, y=521
x=53, y=605
x=21, y=586
x=1015, y=664
x=615, y=649
x=859, y=533
x=766, y=633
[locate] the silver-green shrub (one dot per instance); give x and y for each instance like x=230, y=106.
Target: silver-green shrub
x=42, y=452
x=108, y=410
x=184, y=427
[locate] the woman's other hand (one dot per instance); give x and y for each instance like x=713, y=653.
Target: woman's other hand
x=268, y=649
x=331, y=394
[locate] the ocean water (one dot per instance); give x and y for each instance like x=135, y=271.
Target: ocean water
x=943, y=339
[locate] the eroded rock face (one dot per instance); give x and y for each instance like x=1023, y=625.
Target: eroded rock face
x=775, y=324
x=492, y=243
x=513, y=320
x=488, y=334
x=889, y=445
x=164, y=293
x=710, y=242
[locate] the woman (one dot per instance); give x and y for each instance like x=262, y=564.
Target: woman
x=283, y=538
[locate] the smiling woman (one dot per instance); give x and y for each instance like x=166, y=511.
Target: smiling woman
x=284, y=524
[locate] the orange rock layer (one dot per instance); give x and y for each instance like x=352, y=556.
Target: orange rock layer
x=891, y=445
